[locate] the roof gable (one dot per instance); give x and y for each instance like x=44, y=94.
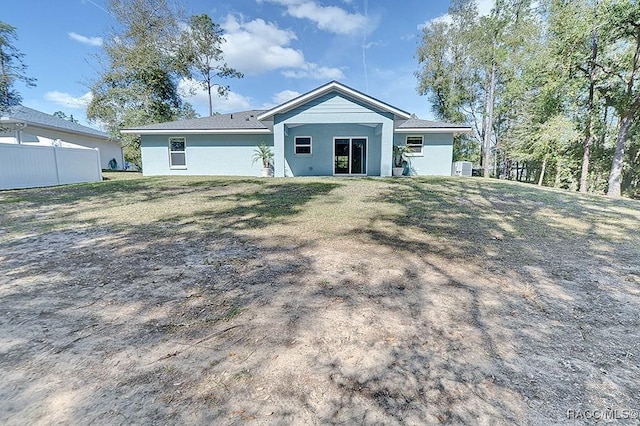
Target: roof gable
x=333, y=86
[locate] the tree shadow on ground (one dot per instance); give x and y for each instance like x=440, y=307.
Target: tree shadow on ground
x=263, y=206
x=127, y=305
x=536, y=277
x=404, y=320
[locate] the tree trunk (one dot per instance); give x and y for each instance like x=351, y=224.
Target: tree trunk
x=615, y=176
x=544, y=168
x=4, y=96
x=557, y=183
x=588, y=137
x=586, y=156
x=508, y=168
x=489, y=130
x=210, y=100
x=484, y=125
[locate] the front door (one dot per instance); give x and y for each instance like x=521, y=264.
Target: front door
x=350, y=156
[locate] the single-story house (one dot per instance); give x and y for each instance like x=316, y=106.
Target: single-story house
x=22, y=125
x=333, y=130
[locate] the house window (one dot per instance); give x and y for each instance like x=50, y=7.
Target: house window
x=302, y=145
x=414, y=143
x=177, y=153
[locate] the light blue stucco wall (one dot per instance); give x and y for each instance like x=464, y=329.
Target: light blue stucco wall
x=324, y=118
x=329, y=116
x=321, y=160
x=437, y=153
x=206, y=154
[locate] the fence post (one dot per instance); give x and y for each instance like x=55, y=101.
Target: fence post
x=55, y=160
x=99, y=165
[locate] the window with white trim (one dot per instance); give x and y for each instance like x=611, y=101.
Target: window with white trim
x=415, y=143
x=302, y=145
x=177, y=153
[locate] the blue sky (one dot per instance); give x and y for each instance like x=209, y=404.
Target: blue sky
x=284, y=48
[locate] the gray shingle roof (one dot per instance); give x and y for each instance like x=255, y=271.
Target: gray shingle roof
x=245, y=120
x=414, y=123
x=37, y=118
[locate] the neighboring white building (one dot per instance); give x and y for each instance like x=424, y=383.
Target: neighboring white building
x=22, y=125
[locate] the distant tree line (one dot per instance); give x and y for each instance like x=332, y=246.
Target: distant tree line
x=551, y=88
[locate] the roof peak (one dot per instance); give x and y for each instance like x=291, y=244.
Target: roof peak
x=326, y=88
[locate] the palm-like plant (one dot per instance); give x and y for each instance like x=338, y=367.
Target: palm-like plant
x=264, y=154
x=400, y=155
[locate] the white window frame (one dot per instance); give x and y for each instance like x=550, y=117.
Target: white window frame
x=409, y=145
x=295, y=145
x=184, y=141
x=366, y=148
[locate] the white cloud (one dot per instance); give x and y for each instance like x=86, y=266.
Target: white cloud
x=258, y=46
x=280, y=98
x=91, y=41
x=371, y=44
x=445, y=19
x=484, y=9
x=284, y=96
x=69, y=101
x=316, y=72
x=195, y=94
x=329, y=18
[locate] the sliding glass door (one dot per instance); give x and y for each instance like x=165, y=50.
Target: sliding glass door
x=350, y=156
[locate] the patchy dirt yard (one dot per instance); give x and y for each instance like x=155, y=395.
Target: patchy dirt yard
x=319, y=301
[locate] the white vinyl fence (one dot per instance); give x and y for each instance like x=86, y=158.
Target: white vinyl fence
x=30, y=166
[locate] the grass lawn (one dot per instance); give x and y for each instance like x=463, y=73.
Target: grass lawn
x=353, y=301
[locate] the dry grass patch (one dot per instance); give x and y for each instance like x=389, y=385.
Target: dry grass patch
x=320, y=300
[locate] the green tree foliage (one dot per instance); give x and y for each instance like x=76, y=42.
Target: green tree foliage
x=201, y=48
x=142, y=69
x=449, y=74
x=573, y=45
x=552, y=88
x=64, y=116
x=12, y=68
x=621, y=68
x=464, y=67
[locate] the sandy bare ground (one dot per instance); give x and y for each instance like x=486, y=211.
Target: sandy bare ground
x=326, y=301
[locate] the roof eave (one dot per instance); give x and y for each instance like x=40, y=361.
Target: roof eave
x=194, y=131
x=26, y=123
x=435, y=130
